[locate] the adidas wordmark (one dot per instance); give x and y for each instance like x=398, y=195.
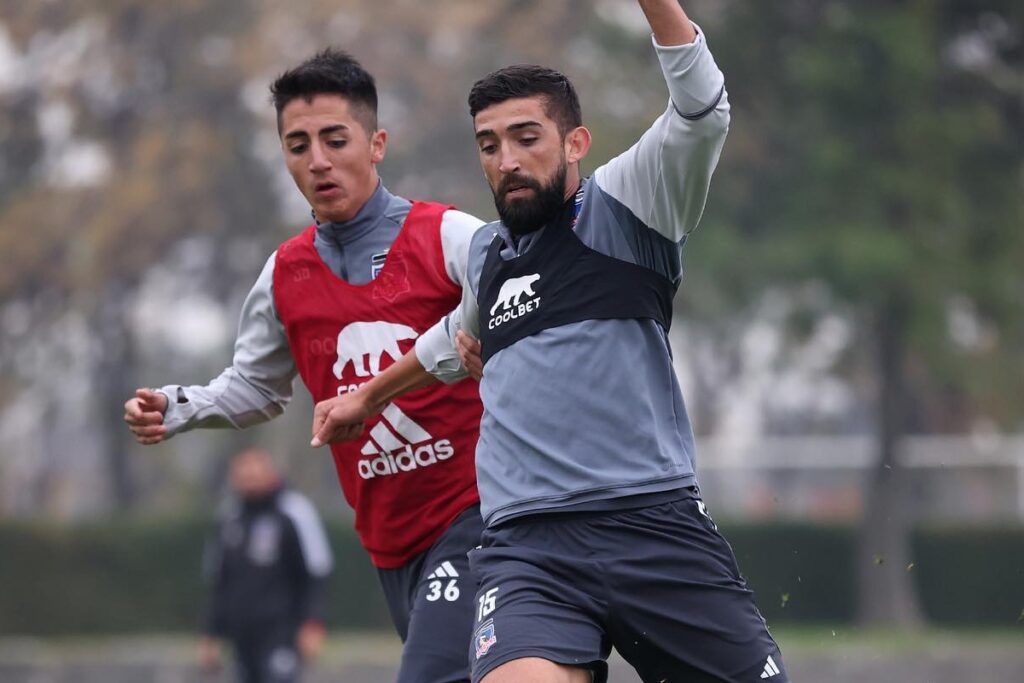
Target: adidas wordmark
x=400, y=445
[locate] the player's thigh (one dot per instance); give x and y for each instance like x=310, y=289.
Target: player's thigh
x=527, y=609
x=537, y=670
x=435, y=646
x=681, y=610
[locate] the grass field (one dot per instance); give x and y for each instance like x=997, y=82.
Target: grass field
x=822, y=653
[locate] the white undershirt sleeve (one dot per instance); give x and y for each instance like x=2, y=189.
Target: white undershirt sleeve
x=435, y=348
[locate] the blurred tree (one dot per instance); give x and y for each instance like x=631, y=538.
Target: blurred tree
x=137, y=144
x=876, y=147
x=142, y=141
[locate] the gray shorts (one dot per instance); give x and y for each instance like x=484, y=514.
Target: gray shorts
x=658, y=583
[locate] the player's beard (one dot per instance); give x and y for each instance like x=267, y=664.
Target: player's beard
x=523, y=216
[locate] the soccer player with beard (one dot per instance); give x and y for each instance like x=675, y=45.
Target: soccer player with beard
x=596, y=534
x=332, y=305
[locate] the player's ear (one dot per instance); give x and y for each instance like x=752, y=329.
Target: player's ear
x=577, y=144
x=378, y=145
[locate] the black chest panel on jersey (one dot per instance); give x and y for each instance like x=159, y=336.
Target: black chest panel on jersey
x=560, y=280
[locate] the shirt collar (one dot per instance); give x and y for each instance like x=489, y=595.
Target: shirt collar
x=363, y=223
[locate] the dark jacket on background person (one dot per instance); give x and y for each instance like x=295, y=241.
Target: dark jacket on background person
x=268, y=563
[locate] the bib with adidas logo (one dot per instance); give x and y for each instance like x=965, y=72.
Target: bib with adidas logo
x=413, y=470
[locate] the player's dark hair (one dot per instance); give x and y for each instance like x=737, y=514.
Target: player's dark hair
x=330, y=72
x=528, y=80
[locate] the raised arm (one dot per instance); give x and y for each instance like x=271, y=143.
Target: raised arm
x=668, y=21
x=664, y=178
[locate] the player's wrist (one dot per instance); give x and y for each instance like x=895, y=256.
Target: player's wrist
x=370, y=400
x=376, y=394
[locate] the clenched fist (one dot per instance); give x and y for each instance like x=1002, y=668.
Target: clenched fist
x=145, y=416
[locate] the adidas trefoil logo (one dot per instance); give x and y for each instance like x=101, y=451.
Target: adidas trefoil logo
x=400, y=445
x=770, y=668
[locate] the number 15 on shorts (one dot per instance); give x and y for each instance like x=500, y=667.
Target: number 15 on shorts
x=487, y=603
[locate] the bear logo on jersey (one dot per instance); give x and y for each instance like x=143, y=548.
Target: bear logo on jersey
x=364, y=343
x=512, y=291
x=510, y=300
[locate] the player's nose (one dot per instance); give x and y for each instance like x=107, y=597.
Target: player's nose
x=318, y=160
x=509, y=162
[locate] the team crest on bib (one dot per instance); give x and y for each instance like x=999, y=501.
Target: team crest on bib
x=392, y=281
x=484, y=638
x=377, y=263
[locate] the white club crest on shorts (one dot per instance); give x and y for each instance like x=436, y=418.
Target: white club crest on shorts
x=484, y=638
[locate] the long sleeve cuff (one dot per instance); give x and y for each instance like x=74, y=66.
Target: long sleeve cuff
x=177, y=414
x=182, y=416
x=694, y=80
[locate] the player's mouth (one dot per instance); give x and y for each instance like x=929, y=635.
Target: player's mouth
x=326, y=190
x=516, y=190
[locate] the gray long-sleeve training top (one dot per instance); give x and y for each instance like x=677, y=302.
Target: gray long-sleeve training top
x=589, y=415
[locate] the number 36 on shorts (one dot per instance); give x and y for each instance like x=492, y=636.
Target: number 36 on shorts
x=443, y=584
x=450, y=592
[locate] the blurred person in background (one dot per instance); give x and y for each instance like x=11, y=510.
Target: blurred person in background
x=268, y=563
x=336, y=304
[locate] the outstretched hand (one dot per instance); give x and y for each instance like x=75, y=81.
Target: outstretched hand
x=339, y=419
x=469, y=354
x=144, y=414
